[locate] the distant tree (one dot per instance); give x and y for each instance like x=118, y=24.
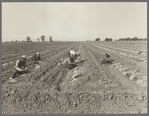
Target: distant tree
x=37, y=39
x=28, y=39
x=97, y=39
x=134, y=39
x=16, y=41
x=108, y=39
x=43, y=38
x=22, y=41
x=50, y=38
x=128, y=38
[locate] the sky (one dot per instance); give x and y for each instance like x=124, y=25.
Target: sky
x=79, y=21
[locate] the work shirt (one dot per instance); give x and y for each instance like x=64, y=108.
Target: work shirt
x=20, y=64
x=72, y=56
x=73, y=59
x=36, y=57
x=106, y=60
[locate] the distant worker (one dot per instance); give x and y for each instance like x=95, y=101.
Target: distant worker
x=20, y=68
x=106, y=59
x=36, y=58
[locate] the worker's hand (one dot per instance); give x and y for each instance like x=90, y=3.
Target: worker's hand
x=76, y=61
x=72, y=63
x=40, y=62
x=26, y=68
x=59, y=64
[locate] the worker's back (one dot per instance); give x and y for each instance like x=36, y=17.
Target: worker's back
x=21, y=64
x=36, y=57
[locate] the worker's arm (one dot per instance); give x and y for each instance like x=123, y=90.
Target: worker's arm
x=80, y=62
x=66, y=60
x=25, y=68
x=110, y=61
x=103, y=61
x=39, y=58
x=39, y=62
x=16, y=66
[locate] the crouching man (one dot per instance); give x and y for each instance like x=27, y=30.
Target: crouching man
x=106, y=59
x=72, y=60
x=20, y=68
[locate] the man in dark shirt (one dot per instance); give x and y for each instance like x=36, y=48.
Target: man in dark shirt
x=36, y=58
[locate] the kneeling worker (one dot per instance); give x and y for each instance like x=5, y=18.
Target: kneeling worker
x=20, y=68
x=106, y=59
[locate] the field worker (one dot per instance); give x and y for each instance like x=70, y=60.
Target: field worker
x=36, y=58
x=73, y=56
x=106, y=59
x=72, y=60
x=20, y=68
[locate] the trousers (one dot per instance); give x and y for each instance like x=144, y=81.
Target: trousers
x=16, y=73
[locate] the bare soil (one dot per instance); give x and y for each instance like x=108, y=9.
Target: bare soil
x=90, y=88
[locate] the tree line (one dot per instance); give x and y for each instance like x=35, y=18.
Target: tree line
x=106, y=39
x=124, y=39
x=42, y=38
x=133, y=39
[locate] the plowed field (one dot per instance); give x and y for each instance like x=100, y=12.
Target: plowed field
x=90, y=88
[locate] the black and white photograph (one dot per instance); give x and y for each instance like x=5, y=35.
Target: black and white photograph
x=74, y=58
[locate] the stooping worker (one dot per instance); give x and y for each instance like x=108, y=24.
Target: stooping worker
x=20, y=68
x=72, y=60
x=106, y=59
x=36, y=58
x=73, y=56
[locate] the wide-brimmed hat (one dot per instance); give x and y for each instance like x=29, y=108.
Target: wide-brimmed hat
x=108, y=54
x=71, y=52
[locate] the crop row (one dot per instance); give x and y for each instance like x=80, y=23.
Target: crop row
x=131, y=74
x=107, y=79
x=10, y=56
x=43, y=54
x=135, y=46
x=7, y=73
x=124, y=54
x=21, y=47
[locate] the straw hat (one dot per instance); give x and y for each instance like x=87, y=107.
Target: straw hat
x=108, y=54
x=23, y=56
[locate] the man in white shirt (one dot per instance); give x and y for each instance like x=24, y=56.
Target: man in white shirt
x=72, y=60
